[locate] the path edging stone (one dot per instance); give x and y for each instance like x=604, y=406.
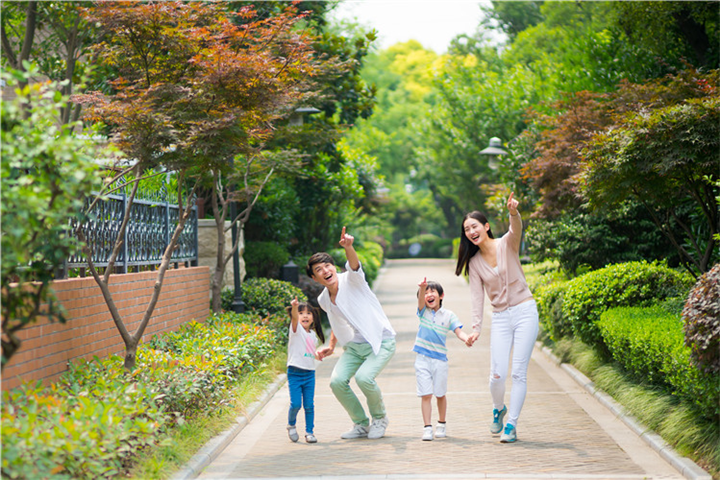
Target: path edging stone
x=217, y=444
x=684, y=465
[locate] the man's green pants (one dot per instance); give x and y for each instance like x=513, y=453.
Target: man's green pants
x=359, y=361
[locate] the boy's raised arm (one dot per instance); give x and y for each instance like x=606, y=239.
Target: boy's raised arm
x=346, y=241
x=421, y=294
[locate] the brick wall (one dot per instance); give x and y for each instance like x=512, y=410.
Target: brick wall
x=48, y=347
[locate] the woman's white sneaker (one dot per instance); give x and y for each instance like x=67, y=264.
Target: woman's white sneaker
x=427, y=433
x=440, y=430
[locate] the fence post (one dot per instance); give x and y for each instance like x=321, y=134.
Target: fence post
x=125, y=233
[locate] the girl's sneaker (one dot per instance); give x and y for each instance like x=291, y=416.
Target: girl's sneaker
x=497, y=424
x=509, y=435
x=427, y=433
x=310, y=438
x=440, y=431
x=292, y=433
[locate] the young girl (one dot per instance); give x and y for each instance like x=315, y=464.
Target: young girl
x=301, y=365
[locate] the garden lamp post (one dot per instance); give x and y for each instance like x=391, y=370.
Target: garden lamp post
x=291, y=272
x=494, y=149
x=298, y=116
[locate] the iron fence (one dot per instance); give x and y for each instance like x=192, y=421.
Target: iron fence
x=150, y=227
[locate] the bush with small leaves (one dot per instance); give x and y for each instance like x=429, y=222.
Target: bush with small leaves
x=624, y=284
x=701, y=315
x=267, y=296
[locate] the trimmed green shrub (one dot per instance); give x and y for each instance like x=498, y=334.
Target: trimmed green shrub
x=264, y=259
x=267, y=296
x=702, y=321
x=649, y=343
x=549, y=301
x=626, y=284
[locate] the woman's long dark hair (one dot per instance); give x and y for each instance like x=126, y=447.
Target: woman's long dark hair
x=467, y=249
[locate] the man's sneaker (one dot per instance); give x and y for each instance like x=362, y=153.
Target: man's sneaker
x=377, y=428
x=292, y=433
x=427, y=433
x=509, y=435
x=497, y=424
x=440, y=431
x=310, y=438
x=358, y=431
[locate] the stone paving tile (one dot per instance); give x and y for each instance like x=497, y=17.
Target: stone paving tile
x=557, y=437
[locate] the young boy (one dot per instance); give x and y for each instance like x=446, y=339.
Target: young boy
x=359, y=324
x=431, y=362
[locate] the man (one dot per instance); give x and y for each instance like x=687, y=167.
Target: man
x=360, y=325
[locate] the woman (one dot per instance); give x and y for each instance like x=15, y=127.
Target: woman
x=493, y=266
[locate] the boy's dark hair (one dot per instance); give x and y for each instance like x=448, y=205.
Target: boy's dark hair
x=320, y=257
x=316, y=325
x=431, y=285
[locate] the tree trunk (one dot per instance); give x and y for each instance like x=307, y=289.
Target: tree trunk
x=130, y=354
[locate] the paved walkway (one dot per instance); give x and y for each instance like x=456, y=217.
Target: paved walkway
x=563, y=431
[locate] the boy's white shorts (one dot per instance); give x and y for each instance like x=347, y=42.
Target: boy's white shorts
x=431, y=375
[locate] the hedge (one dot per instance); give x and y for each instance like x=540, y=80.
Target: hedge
x=625, y=284
x=650, y=343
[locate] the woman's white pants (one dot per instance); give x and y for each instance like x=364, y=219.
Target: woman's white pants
x=514, y=329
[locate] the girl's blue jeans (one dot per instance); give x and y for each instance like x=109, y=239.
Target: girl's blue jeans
x=302, y=394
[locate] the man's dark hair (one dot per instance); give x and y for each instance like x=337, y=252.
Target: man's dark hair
x=320, y=257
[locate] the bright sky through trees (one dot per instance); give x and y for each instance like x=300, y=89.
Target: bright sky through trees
x=430, y=22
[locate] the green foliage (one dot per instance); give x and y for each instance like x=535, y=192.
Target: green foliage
x=662, y=158
x=371, y=258
x=702, y=322
x=275, y=214
x=267, y=296
x=549, y=301
x=626, y=284
x=47, y=171
x=649, y=342
x=97, y=418
x=264, y=259
x=584, y=240
x=431, y=246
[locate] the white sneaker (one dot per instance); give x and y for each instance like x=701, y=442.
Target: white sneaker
x=292, y=433
x=377, y=428
x=427, y=434
x=358, y=431
x=440, y=431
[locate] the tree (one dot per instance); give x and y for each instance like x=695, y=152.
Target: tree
x=53, y=35
x=193, y=91
x=662, y=159
x=676, y=32
x=47, y=171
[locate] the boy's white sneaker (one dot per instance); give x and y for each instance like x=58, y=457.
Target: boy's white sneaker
x=358, y=431
x=440, y=431
x=377, y=428
x=427, y=434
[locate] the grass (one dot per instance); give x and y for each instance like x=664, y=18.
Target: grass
x=678, y=423
x=176, y=449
